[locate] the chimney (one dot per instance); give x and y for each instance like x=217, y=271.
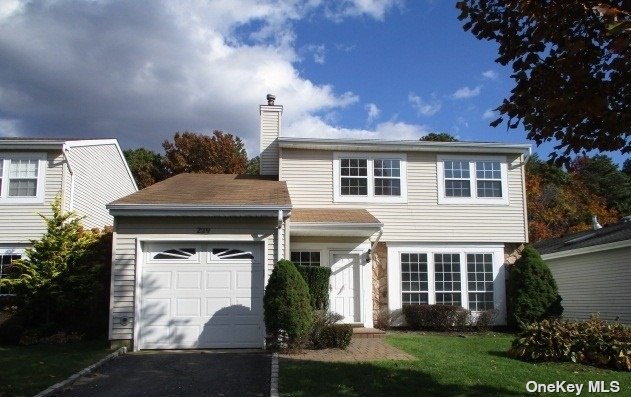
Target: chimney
x=270, y=131
x=595, y=224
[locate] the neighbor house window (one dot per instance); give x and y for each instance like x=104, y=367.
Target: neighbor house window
x=472, y=180
x=369, y=177
x=414, y=282
x=447, y=279
x=306, y=258
x=5, y=263
x=21, y=178
x=480, y=281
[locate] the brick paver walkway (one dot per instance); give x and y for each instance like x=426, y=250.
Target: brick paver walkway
x=360, y=349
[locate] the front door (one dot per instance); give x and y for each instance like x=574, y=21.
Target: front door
x=344, y=287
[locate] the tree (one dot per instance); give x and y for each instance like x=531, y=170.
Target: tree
x=439, y=137
x=146, y=165
x=626, y=167
x=59, y=283
x=221, y=153
x=254, y=166
x=560, y=203
x=532, y=293
x=571, y=62
x=601, y=176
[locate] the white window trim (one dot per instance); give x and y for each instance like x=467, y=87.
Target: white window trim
x=370, y=197
x=41, y=177
x=394, y=272
x=474, y=199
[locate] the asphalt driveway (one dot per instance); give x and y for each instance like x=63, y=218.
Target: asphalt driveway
x=189, y=373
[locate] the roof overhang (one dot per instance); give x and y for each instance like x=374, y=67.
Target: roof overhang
x=587, y=250
x=38, y=144
x=373, y=145
x=197, y=210
x=334, y=229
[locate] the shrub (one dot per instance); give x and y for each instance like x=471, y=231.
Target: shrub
x=435, y=317
x=594, y=342
x=334, y=336
x=61, y=283
x=317, y=279
x=532, y=292
x=483, y=320
x=286, y=304
x=321, y=320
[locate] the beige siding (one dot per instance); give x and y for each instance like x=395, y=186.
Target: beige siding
x=598, y=282
x=20, y=223
x=100, y=177
x=309, y=177
x=270, y=130
x=128, y=230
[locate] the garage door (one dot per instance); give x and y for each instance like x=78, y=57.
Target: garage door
x=200, y=295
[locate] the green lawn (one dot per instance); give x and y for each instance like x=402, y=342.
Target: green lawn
x=27, y=370
x=445, y=366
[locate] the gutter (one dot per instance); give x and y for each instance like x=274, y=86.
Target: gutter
x=196, y=207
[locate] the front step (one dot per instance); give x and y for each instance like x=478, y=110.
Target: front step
x=361, y=332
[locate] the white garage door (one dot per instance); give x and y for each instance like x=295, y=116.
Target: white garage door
x=202, y=295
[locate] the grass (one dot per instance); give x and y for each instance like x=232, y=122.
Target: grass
x=445, y=366
x=27, y=370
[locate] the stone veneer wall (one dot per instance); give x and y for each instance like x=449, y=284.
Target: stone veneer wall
x=512, y=252
x=380, y=285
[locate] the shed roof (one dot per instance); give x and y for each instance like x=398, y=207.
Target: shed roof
x=608, y=234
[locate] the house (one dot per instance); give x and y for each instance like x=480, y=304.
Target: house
x=398, y=222
x=84, y=174
x=592, y=270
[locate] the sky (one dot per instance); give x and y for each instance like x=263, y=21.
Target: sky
x=139, y=70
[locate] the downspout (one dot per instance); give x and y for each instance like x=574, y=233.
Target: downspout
x=279, y=228
x=374, y=244
x=66, y=152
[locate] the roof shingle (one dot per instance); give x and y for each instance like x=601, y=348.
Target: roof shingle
x=212, y=189
x=608, y=234
x=328, y=215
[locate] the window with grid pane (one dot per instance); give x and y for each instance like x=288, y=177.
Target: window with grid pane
x=387, y=174
x=23, y=177
x=353, y=177
x=306, y=258
x=447, y=279
x=489, y=178
x=457, y=178
x=1, y=173
x=480, y=281
x=414, y=283
x=5, y=264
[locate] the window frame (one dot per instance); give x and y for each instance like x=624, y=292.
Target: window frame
x=6, y=159
x=310, y=252
x=473, y=180
x=9, y=252
x=370, y=160
x=427, y=281
x=476, y=281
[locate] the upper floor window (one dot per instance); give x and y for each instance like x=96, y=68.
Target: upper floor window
x=369, y=177
x=22, y=178
x=472, y=180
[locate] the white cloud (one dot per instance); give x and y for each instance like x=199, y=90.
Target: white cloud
x=9, y=128
x=490, y=75
x=373, y=112
x=318, y=51
x=422, y=107
x=466, y=92
x=377, y=9
x=141, y=70
x=313, y=126
x=490, y=114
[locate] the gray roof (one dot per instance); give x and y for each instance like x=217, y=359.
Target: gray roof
x=608, y=234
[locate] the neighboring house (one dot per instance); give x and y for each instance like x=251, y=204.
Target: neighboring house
x=399, y=222
x=593, y=271
x=84, y=174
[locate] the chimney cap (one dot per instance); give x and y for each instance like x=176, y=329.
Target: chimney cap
x=270, y=99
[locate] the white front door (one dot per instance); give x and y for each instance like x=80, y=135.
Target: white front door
x=344, y=287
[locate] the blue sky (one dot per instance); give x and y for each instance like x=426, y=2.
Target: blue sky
x=139, y=70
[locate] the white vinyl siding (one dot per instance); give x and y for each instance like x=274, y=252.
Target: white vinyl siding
x=309, y=177
x=100, y=177
x=129, y=229
x=270, y=130
x=20, y=222
x=598, y=282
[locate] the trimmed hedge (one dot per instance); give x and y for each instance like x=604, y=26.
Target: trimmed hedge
x=286, y=304
x=334, y=336
x=595, y=342
x=317, y=279
x=435, y=317
x=532, y=293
